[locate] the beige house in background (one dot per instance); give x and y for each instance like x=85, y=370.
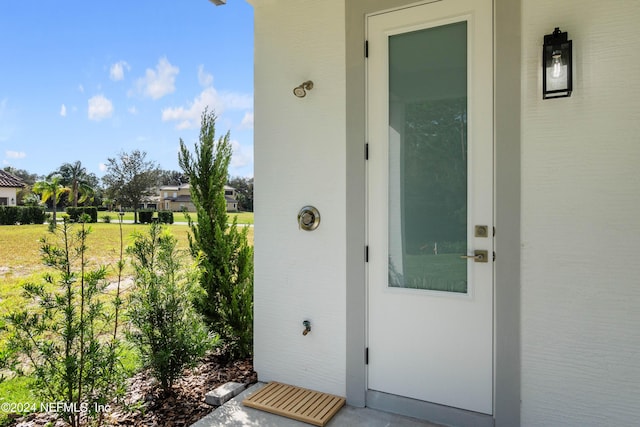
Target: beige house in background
x=9, y=186
x=178, y=197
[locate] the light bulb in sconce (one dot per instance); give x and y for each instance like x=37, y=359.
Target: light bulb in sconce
x=301, y=91
x=556, y=64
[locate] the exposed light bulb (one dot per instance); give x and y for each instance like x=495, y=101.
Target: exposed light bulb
x=556, y=64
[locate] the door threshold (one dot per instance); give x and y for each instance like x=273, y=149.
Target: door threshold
x=427, y=411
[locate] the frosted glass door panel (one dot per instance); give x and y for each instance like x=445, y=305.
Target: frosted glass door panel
x=428, y=159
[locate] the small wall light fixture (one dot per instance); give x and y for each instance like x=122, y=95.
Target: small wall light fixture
x=557, y=70
x=301, y=91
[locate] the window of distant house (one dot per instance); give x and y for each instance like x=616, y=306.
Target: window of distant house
x=4, y=201
x=228, y=192
x=175, y=194
x=166, y=194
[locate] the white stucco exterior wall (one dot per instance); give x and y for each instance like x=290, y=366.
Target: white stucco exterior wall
x=10, y=194
x=300, y=160
x=580, y=221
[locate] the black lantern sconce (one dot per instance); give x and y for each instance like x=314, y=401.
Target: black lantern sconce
x=557, y=70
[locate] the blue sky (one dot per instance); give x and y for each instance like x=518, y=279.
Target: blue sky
x=85, y=80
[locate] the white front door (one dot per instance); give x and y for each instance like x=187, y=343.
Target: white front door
x=430, y=202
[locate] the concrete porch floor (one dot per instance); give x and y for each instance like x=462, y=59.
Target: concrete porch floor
x=235, y=414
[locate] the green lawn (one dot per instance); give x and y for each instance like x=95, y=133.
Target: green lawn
x=442, y=272
x=243, y=217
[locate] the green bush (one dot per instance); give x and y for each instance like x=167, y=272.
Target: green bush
x=165, y=217
x=106, y=219
x=145, y=216
x=225, y=256
x=32, y=215
x=75, y=213
x=164, y=326
x=65, y=332
x=9, y=215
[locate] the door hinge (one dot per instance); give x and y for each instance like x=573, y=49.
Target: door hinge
x=366, y=48
x=366, y=151
x=494, y=255
x=366, y=356
x=366, y=253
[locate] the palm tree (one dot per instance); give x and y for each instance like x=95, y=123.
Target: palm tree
x=51, y=189
x=76, y=177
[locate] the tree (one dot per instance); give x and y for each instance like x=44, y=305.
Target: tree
x=52, y=189
x=28, y=178
x=244, y=191
x=226, y=257
x=168, y=177
x=65, y=334
x=81, y=183
x=130, y=178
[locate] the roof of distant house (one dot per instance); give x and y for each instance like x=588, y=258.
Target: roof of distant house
x=181, y=186
x=8, y=180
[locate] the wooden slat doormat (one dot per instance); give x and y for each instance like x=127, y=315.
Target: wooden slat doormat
x=297, y=403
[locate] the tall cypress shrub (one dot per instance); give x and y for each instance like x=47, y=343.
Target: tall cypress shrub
x=226, y=257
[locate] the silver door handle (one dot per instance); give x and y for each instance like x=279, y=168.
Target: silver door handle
x=478, y=256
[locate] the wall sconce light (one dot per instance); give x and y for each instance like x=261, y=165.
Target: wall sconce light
x=301, y=91
x=557, y=70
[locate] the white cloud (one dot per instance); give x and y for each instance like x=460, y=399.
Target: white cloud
x=132, y=110
x=116, y=72
x=100, y=108
x=247, y=120
x=63, y=111
x=80, y=88
x=242, y=156
x=159, y=82
x=189, y=116
x=15, y=154
x=102, y=167
x=205, y=79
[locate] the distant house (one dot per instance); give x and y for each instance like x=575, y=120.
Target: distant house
x=178, y=198
x=9, y=186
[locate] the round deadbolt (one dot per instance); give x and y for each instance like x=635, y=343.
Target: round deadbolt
x=308, y=218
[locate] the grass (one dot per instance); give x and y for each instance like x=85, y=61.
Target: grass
x=243, y=217
x=20, y=262
x=442, y=272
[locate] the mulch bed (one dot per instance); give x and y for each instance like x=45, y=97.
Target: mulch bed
x=145, y=406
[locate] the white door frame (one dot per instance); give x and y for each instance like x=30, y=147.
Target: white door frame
x=406, y=325
x=507, y=101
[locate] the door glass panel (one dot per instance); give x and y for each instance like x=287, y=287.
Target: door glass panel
x=428, y=159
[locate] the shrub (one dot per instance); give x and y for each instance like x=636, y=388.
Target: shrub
x=10, y=215
x=75, y=213
x=32, y=215
x=226, y=257
x=64, y=333
x=106, y=219
x=164, y=326
x=145, y=216
x=165, y=217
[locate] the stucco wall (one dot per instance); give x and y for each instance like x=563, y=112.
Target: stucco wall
x=580, y=222
x=300, y=160
x=10, y=194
